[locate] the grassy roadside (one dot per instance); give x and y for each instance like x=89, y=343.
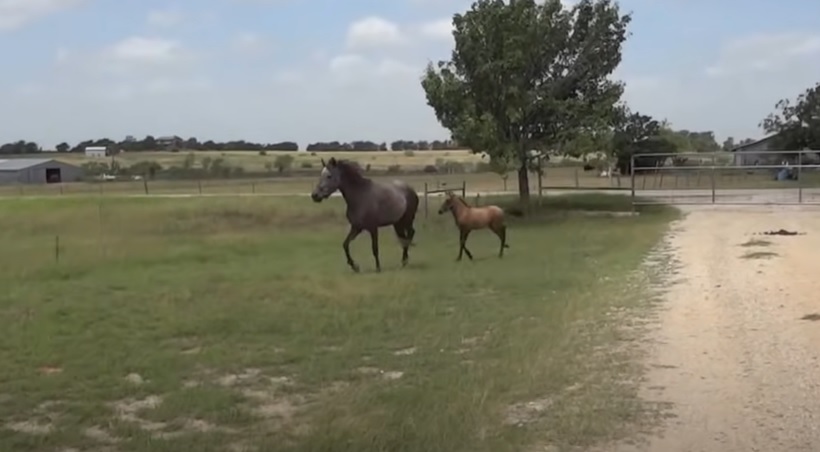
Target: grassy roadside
x=209, y=324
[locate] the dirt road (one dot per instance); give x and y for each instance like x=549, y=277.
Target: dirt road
x=737, y=351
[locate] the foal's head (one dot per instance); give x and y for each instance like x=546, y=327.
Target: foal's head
x=450, y=200
x=334, y=172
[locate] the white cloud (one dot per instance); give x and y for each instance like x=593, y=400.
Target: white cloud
x=357, y=69
x=164, y=18
x=15, y=14
x=250, y=43
x=764, y=53
x=62, y=55
x=142, y=53
x=441, y=29
x=373, y=32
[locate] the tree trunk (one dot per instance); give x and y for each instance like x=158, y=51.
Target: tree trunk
x=523, y=184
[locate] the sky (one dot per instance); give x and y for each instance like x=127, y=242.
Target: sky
x=324, y=70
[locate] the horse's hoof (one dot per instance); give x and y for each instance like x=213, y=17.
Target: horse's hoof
x=354, y=267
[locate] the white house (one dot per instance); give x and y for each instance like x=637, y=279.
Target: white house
x=96, y=151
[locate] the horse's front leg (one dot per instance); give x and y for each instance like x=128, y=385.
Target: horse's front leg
x=374, y=244
x=354, y=232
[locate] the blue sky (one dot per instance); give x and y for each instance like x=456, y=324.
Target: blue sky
x=311, y=70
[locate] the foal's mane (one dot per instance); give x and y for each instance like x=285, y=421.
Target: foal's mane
x=351, y=172
x=461, y=200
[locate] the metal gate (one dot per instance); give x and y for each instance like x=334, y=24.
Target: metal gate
x=730, y=178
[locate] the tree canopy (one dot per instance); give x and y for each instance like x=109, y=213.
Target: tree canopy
x=797, y=124
x=526, y=75
x=635, y=133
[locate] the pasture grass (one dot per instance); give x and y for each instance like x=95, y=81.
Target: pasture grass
x=215, y=324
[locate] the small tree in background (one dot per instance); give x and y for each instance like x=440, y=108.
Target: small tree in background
x=635, y=133
x=501, y=165
x=283, y=162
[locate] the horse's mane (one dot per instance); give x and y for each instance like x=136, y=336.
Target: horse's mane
x=461, y=200
x=351, y=171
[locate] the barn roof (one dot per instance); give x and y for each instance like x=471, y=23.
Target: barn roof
x=21, y=164
x=753, y=143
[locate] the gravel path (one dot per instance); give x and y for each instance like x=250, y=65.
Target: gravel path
x=738, y=348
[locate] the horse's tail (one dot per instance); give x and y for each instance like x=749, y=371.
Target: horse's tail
x=412, y=199
x=514, y=211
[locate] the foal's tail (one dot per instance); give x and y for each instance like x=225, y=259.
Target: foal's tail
x=514, y=211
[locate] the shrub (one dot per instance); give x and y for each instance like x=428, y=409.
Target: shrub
x=394, y=169
x=263, y=152
x=306, y=165
x=430, y=169
x=409, y=153
x=283, y=162
x=450, y=167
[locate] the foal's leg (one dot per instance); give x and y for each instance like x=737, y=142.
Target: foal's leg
x=501, y=232
x=463, y=234
x=354, y=232
x=374, y=243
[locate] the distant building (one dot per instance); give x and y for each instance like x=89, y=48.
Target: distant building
x=38, y=171
x=96, y=151
x=750, y=153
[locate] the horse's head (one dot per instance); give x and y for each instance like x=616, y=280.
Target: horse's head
x=449, y=200
x=329, y=180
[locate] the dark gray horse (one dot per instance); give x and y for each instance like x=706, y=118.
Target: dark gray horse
x=370, y=205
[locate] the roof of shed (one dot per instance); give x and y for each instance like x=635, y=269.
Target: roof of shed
x=21, y=164
x=744, y=146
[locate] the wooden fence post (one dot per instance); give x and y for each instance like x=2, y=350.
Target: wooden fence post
x=426, y=211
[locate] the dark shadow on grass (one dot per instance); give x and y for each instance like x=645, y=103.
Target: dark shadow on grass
x=815, y=317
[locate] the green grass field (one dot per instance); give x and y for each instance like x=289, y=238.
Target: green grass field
x=214, y=324
x=252, y=161
x=559, y=174
x=556, y=177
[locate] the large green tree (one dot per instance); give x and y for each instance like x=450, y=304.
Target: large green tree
x=526, y=75
x=797, y=124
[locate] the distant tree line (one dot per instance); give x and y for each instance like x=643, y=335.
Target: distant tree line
x=175, y=144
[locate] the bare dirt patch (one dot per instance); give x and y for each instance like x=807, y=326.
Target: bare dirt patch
x=759, y=255
x=739, y=372
x=40, y=422
x=755, y=243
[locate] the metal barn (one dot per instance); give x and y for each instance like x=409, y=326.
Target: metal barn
x=38, y=171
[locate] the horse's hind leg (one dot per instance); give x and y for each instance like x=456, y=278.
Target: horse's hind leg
x=405, y=238
x=374, y=243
